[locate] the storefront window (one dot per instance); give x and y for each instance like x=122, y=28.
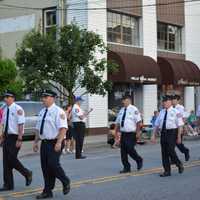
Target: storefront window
x=123, y=29
x=169, y=37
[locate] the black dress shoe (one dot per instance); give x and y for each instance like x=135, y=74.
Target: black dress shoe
x=180, y=169
x=125, y=171
x=165, y=174
x=140, y=165
x=66, y=189
x=4, y=189
x=82, y=157
x=187, y=156
x=29, y=178
x=44, y=195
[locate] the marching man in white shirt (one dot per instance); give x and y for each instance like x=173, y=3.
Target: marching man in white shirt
x=51, y=129
x=128, y=122
x=170, y=123
x=13, y=130
x=182, y=148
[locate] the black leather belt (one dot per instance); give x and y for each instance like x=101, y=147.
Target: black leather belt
x=49, y=141
x=128, y=132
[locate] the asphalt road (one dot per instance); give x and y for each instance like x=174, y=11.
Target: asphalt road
x=97, y=177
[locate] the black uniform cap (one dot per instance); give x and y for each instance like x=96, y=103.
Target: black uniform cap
x=126, y=97
x=166, y=98
x=49, y=93
x=9, y=93
x=177, y=97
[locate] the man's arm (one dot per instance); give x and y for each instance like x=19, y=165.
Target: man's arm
x=138, y=129
x=20, y=135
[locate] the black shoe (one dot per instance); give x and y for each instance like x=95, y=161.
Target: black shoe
x=44, y=195
x=125, y=171
x=165, y=174
x=187, y=156
x=82, y=157
x=4, y=189
x=140, y=165
x=66, y=189
x=29, y=178
x=180, y=169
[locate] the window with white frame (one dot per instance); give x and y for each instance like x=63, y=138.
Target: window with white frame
x=50, y=20
x=122, y=28
x=169, y=37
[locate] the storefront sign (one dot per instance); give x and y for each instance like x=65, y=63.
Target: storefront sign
x=186, y=82
x=143, y=79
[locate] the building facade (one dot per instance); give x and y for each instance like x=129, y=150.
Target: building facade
x=154, y=42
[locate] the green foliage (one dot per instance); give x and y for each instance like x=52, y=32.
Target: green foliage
x=69, y=62
x=8, y=80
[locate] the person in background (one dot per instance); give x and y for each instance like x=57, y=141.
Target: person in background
x=113, y=138
x=192, y=119
x=154, y=117
x=198, y=113
x=69, y=141
x=78, y=120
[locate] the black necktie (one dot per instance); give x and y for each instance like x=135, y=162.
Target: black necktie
x=164, y=121
x=123, y=117
x=7, y=122
x=42, y=123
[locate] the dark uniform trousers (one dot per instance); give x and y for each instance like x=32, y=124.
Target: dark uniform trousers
x=128, y=142
x=79, y=134
x=50, y=163
x=10, y=161
x=168, y=143
x=182, y=148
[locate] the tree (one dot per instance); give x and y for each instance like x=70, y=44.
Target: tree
x=70, y=62
x=8, y=78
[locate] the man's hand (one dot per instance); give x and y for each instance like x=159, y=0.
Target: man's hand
x=19, y=144
x=1, y=140
x=153, y=139
x=58, y=146
x=138, y=136
x=35, y=147
x=178, y=141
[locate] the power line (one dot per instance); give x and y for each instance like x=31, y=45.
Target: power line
x=101, y=8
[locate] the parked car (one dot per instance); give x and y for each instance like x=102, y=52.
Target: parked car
x=31, y=109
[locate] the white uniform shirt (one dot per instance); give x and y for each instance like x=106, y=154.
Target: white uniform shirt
x=182, y=110
x=76, y=113
x=16, y=117
x=198, y=111
x=173, y=121
x=132, y=118
x=54, y=121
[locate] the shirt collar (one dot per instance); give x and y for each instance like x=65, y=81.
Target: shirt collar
x=51, y=107
x=11, y=105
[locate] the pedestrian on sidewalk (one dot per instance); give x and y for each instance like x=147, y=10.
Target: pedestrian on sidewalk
x=51, y=129
x=129, y=123
x=78, y=120
x=176, y=104
x=13, y=129
x=170, y=123
x=69, y=141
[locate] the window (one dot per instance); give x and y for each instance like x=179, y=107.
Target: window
x=169, y=37
x=50, y=20
x=122, y=29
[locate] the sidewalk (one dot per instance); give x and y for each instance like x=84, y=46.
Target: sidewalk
x=90, y=142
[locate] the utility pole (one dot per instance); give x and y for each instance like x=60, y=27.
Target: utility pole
x=62, y=5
